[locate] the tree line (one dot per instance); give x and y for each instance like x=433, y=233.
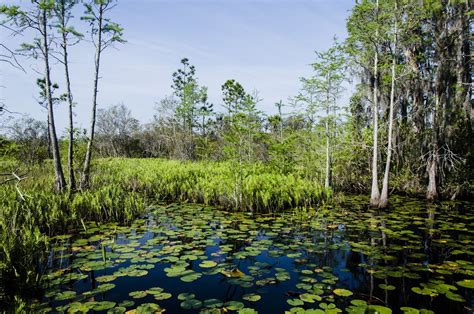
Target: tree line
x=407, y=127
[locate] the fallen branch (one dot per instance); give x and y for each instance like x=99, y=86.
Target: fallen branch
x=18, y=179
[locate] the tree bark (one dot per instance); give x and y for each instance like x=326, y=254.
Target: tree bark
x=432, y=165
x=432, y=191
x=58, y=170
x=384, y=196
x=328, y=165
x=85, y=178
x=375, y=192
x=70, y=153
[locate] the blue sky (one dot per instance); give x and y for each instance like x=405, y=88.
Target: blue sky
x=266, y=45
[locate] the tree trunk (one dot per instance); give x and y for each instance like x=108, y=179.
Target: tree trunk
x=432, y=191
x=384, y=196
x=432, y=165
x=328, y=166
x=375, y=192
x=58, y=170
x=70, y=153
x=327, y=181
x=85, y=178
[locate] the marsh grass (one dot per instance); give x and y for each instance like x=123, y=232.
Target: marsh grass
x=120, y=191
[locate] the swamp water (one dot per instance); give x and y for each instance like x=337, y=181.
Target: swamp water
x=185, y=258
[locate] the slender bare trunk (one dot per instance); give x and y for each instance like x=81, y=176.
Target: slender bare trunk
x=85, y=178
x=432, y=166
x=384, y=196
x=70, y=152
x=50, y=154
x=58, y=170
x=375, y=192
x=432, y=191
x=328, y=166
x=279, y=105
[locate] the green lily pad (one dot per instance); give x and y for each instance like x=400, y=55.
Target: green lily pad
x=191, y=304
x=103, y=305
x=234, y=305
x=358, y=302
x=386, y=287
x=65, y=295
x=379, y=309
x=252, y=297
x=207, y=264
x=247, y=311
x=155, y=290
x=454, y=297
x=466, y=283
x=163, y=296
x=105, y=287
x=117, y=310
x=126, y=303
x=186, y=296
x=310, y=298
x=147, y=308
x=294, y=302
x=138, y=294
x=107, y=278
x=343, y=292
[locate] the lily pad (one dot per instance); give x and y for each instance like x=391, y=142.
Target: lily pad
x=466, y=283
x=343, y=292
x=103, y=305
x=234, y=305
x=252, y=297
x=386, y=287
x=191, y=304
x=207, y=264
x=186, y=296
x=65, y=295
x=294, y=302
x=138, y=294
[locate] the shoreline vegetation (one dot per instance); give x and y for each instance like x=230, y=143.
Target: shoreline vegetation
x=121, y=190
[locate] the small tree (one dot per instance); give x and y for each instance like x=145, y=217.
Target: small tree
x=364, y=41
x=242, y=126
x=104, y=34
x=69, y=36
x=190, y=94
x=328, y=79
x=37, y=19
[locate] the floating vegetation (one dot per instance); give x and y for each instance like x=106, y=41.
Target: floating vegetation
x=185, y=257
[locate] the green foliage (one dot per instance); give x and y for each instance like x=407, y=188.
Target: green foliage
x=215, y=183
x=111, y=32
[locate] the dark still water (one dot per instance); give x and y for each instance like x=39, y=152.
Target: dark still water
x=186, y=258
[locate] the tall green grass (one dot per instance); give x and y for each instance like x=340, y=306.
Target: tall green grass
x=261, y=189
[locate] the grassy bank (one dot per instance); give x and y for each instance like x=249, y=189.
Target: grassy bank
x=120, y=190
x=255, y=188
